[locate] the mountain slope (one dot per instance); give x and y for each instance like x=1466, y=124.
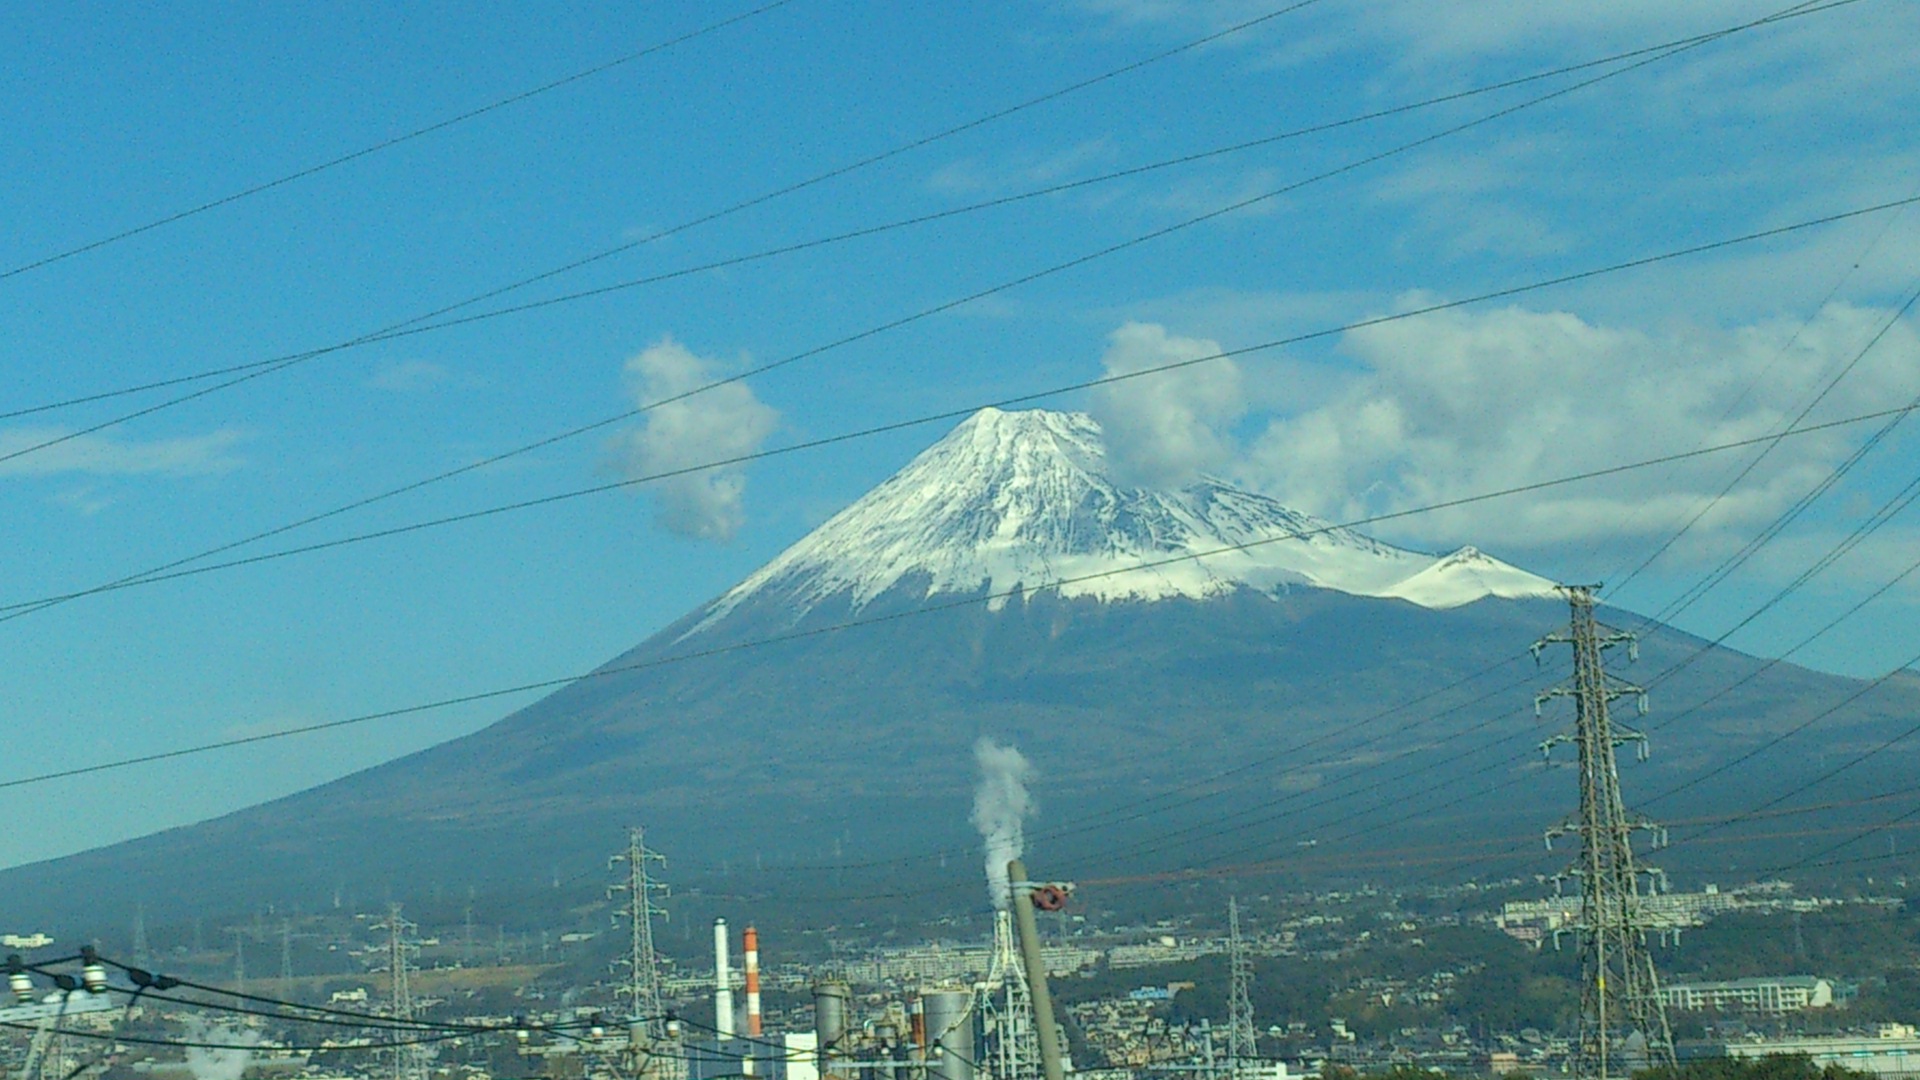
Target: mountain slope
x=1316, y=685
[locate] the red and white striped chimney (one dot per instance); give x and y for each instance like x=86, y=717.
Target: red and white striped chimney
x=751, y=946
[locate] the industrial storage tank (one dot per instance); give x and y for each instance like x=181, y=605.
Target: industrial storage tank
x=831, y=1001
x=950, y=1019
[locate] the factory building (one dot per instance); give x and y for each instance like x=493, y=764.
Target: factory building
x=1892, y=1052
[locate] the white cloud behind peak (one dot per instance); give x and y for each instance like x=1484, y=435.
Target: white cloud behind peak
x=1460, y=403
x=724, y=422
x=1165, y=430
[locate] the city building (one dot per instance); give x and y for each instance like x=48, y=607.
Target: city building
x=1786, y=994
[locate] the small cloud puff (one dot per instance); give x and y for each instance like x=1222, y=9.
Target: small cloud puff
x=409, y=376
x=105, y=455
x=709, y=425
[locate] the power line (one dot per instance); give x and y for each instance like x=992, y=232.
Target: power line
x=1324, y=857
x=1137, y=811
x=1767, y=666
x=1879, y=518
x=1620, y=579
x=1792, y=513
x=606, y=253
x=175, y=569
x=1349, y=791
x=379, y=335
x=413, y=326
x=1871, y=752
x=890, y=617
x=387, y=144
x=198, y=1044
x=1344, y=793
x=1768, y=808
x=1813, y=860
x=1214, y=826
x=149, y=985
x=1900, y=501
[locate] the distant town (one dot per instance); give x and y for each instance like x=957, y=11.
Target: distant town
x=1465, y=981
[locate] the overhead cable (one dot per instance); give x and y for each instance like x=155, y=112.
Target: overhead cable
x=606, y=253
x=423, y=325
x=387, y=144
x=17, y=608
x=603, y=672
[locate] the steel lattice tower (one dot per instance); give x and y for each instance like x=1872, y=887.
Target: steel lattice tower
x=1242, y=1041
x=140, y=954
x=647, y=1026
x=408, y=1062
x=1623, y=1024
x=1007, y=1004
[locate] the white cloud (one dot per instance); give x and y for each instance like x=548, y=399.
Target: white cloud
x=409, y=376
x=85, y=501
x=1167, y=429
x=727, y=421
x=974, y=176
x=107, y=455
x=1459, y=403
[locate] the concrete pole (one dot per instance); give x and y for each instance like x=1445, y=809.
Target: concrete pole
x=1046, y=1033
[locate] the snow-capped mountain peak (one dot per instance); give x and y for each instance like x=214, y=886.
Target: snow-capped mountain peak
x=1012, y=502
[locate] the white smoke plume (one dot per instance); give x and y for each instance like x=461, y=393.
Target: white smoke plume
x=223, y=1064
x=1001, y=804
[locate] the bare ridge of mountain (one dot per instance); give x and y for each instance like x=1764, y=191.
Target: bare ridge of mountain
x=1199, y=676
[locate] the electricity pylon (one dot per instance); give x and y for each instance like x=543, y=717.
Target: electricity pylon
x=646, y=1028
x=1242, y=1041
x=408, y=1060
x=141, y=956
x=1623, y=1023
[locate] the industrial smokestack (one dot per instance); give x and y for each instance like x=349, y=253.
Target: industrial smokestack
x=750, y=944
x=722, y=982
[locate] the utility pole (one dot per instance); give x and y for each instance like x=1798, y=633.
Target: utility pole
x=1242, y=1042
x=646, y=1024
x=1046, y=1035
x=1621, y=1016
x=406, y=1058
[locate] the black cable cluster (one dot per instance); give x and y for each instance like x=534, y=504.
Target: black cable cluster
x=94, y=979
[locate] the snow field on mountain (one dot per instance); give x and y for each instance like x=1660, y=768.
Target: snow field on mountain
x=1014, y=502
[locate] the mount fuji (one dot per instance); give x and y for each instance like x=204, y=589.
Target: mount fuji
x=1200, y=676
x=1013, y=503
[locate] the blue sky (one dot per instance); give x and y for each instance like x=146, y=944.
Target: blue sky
x=120, y=117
